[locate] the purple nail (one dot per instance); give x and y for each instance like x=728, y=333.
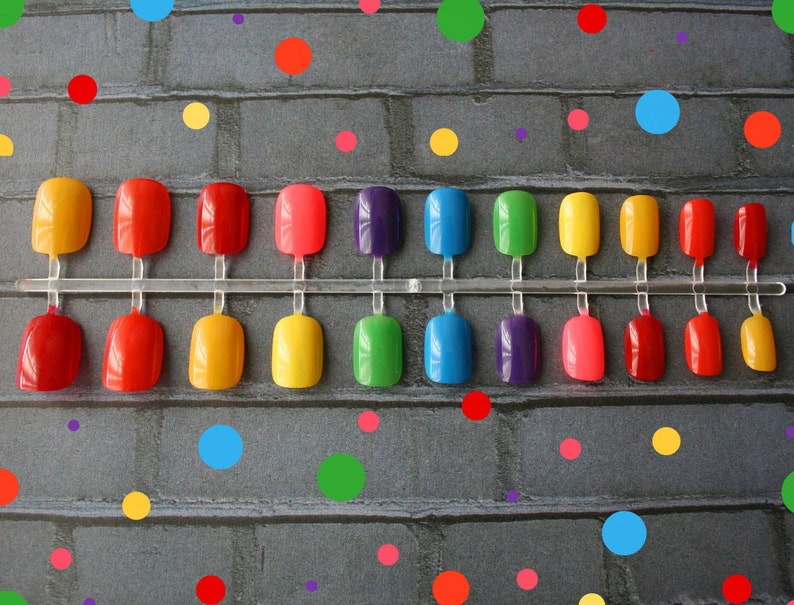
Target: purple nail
x=378, y=221
x=518, y=350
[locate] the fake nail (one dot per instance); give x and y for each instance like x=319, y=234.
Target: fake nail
x=49, y=355
x=515, y=223
x=377, y=221
x=377, y=351
x=518, y=350
x=639, y=226
x=223, y=219
x=448, y=349
x=447, y=222
x=297, y=360
x=580, y=229
x=300, y=220
x=217, y=350
x=758, y=343
x=583, y=348
x=749, y=231
x=61, y=216
x=142, y=220
x=703, y=345
x=696, y=229
x=133, y=354
x=643, y=348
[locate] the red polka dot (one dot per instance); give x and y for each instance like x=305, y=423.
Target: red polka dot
x=737, y=589
x=82, y=89
x=346, y=141
x=9, y=487
x=591, y=18
x=210, y=590
x=476, y=405
x=762, y=129
x=293, y=56
x=368, y=421
x=570, y=449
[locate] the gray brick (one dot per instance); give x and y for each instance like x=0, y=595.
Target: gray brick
x=295, y=139
x=546, y=48
x=355, y=51
x=33, y=130
x=24, y=558
x=340, y=558
x=772, y=160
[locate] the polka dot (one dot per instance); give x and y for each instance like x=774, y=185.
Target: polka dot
x=786, y=491
x=89, y=601
x=293, y=56
x=666, y=441
x=60, y=558
x=9, y=597
x=210, y=590
x=460, y=20
x=592, y=598
x=5, y=86
x=736, y=589
x=444, y=142
x=9, y=487
x=570, y=448
x=578, y=119
x=369, y=6
x=220, y=447
x=624, y=533
x=346, y=141
x=341, y=477
x=196, y=115
x=521, y=134
x=790, y=432
x=657, y=112
x=136, y=506
x=368, y=421
x=783, y=15
x=682, y=37
x=450, y=588
x=762, y=129
x=82, y=89
x=311, y=586
x=591, y=18
x=10, y=12
x=73, y=425
x=6, y=146
x=527, y=579
x=238, y=18
x=512, y=496
x=151, y=10
x=388, y=554
x=476, y=405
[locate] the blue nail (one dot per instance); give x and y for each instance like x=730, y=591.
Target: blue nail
x=448, y=349
x=447, y=222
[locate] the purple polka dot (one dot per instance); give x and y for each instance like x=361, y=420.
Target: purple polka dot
x=73, y=425
x=790, y=432
x=89, y=601
x=521, y=134
x=682, y=37
x=238, y=18
x=512, y=496
x=311, y=585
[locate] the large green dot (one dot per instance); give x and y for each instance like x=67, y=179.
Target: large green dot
x=9, y=597
x=783, y=14
x=341, y=477
x=10, y=12
x=460, y=20
x=787, y=491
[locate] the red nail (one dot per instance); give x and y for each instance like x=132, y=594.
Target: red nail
x=133, y=354
x=300, y=220
x=49, y=355
x=644, y=348
x=223, y=219
x=696, y=229
x=749, y=231
x=143, y=217
x=703, y=345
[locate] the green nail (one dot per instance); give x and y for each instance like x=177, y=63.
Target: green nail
x=378, y=351
x=515, y=223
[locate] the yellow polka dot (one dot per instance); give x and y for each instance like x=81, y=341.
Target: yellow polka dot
x=6, y=145
x=444, y=142
x=136, y=505
x=196, y=116
x=666, y=441
x=592, y=598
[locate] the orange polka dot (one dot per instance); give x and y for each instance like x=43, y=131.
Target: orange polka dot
x=450, y=588
x=293, y=56
x=9, y=487
x=762, y=129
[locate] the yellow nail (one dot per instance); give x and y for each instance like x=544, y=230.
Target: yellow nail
x=758, y=343
x=217, y=350
x=297, y=352
x=61, y=216
x=639, y=226
x=579, y=225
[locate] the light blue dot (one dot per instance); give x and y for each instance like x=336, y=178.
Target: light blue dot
x=152, y=10
x=220, y=446
x=624, y=533
x=657, y=112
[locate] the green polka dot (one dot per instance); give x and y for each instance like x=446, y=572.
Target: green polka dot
x=783, y=14
x=341, y=477
x=10, y=12
x=460, y=20
x=787, y=491
x=9, y=597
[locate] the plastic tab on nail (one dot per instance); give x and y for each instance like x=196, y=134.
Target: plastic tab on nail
x=61, y=216
x=448, y=356
x=758, y=343
x=49, y=355
x=518, y=350
x=703, y=345
x=643, y=348
x=580, y=227
x=133, y=353
x=696, y=229
x=447, y=222
x=223, y=219
x=583, y=348
x=142, y=218
x=639, y=226
x=300, y=220
x=378, y=221
x=297, y=360
x=515, y=223
x=377, y=351
x=217, y=350
x=749, y=231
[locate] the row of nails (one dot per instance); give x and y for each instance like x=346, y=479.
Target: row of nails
x=50, y=351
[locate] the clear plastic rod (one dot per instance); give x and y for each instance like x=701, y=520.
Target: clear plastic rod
x=448, y=285
x=516, y=270
x=698, y=289
x=54, y=273
x=642, y=287
x=298, y=285
x=753, y=300
x=219, y=295
x=582, y=304
x=377, y=280
x=137, y=276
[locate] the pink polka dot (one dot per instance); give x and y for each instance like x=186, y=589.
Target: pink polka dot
x=5, y=86
x=346, y=141
x=578, y=119
x=368, y=421
x=369, y=6
x=388, y=554
x=527, y=579
x=570, y=449
x=61, y=558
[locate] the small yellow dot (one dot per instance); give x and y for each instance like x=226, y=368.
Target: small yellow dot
x=666, y=441
x=444, y=142
x=196, y=116
x=6, y=146
x=136, y=505
x=592, y=598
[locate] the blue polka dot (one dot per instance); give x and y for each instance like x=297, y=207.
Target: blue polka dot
x=792, y=233
x=657, y=112
x=152, y=10
x=220, y=446
x=624, y=533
